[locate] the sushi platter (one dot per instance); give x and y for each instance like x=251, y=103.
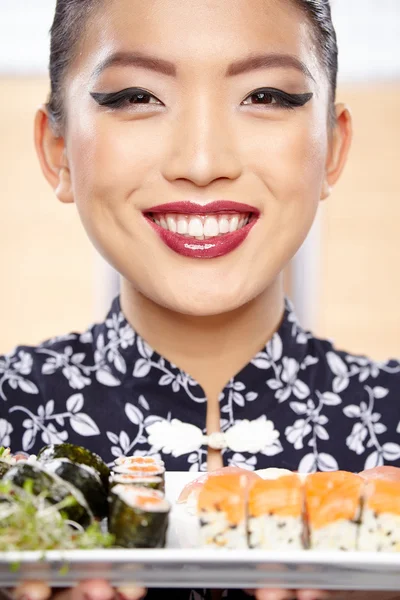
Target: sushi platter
x=231, y=530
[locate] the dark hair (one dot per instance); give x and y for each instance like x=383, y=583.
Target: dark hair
x=70, y=21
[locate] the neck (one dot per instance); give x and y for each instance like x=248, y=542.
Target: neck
x=212, y=349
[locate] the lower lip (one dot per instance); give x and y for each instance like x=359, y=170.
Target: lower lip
x=210, y=248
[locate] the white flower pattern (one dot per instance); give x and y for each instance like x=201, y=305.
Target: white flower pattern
x=299, y=403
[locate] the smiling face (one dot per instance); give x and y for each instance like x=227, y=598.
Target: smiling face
x=197, y=102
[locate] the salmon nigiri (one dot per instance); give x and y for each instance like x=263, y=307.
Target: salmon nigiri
x=222, y=511
x=333, y=506
x=275, y=513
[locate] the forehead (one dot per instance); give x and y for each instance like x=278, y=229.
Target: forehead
x=198, y=32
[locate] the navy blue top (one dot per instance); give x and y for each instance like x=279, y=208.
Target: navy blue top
x=102, y=389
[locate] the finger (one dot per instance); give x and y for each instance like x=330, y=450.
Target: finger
x=94, y=589
x=131, y=592
x=316, y=595
x=266, y=594
x=32, y=590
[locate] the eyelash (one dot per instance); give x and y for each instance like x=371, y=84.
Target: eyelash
x=123, y=98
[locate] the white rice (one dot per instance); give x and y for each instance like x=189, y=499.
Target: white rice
x=217, y=532
x=379, y=533
x=339, y=535
x=269, y=532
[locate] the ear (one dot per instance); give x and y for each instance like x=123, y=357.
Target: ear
x=51, y=150
x=339, y=145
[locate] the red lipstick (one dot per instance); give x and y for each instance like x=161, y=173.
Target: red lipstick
x=192, y=208
x=212, y=247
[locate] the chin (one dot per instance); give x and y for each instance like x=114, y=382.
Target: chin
x=204, y=304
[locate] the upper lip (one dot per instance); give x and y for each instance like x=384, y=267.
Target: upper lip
x=193, y=208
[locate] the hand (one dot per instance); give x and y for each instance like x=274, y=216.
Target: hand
x=267, y=594
x=87, y=590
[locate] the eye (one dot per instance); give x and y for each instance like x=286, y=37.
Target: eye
x=260, y=98
x=276, y=98
x=126, y=98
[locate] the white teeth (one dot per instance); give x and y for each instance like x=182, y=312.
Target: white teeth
x=182, y=226
x=202, y=227
x=234, y=224
x=223, y=225
x=171, y=224
x=211, y=227
x=195, y=227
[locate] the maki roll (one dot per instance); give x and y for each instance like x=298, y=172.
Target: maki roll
x=147, y=481
x=141, y=470
x=55, y=490
x=275, y=514
x=333, y=507
x=222, y=512
x=380, y=522
x=138, y=460
x=138, y=517
x=86, y=480
x=78, y=455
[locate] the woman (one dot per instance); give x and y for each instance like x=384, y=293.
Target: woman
x=197, y=139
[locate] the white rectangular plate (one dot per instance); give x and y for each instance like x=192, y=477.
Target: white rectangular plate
x=179, y=566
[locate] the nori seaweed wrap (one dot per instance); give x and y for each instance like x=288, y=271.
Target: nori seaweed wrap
x=76, y=454
x=147, y=481
x=4, y=467
x=56, y=489
x=85, y=479
x=138, y=517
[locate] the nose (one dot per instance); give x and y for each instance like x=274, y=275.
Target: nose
x=202, y=147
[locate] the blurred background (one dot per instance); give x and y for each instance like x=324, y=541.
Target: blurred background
x=344, y=281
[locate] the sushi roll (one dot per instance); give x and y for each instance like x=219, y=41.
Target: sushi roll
x=222, y=512
x=333, y=510
x=147, y=481
x=138, y=517
x=380, y=522
x=78, y=455
x=275, y=514
x=85, y=479
x=138, y=460
x=55, y=489
x=141, y=470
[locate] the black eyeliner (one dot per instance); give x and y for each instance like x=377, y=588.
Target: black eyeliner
x=289, y=100
x=114, y=98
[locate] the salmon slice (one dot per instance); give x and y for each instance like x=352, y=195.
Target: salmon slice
x=332, y=496
x=385, y=472
x=333, y=508
x=275, y=514
x=282, y=496
x=192, y=489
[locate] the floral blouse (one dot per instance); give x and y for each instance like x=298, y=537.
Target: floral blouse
x=299, y=403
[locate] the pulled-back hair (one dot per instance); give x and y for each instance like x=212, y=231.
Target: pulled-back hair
x=72, y=16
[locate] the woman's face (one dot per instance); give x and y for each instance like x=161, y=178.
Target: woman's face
x=201, y=133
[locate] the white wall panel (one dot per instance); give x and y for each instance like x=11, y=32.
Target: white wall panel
x=368, y=33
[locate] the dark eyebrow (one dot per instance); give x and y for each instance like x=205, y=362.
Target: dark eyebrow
x=136, y=59
x=267, y=61
x=165, y=67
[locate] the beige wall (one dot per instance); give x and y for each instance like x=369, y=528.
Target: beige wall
x=47, y=284
x=360, y=254
x=46, y=261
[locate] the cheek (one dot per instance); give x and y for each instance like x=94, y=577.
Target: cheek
x=111, y=160
x=289, y=158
